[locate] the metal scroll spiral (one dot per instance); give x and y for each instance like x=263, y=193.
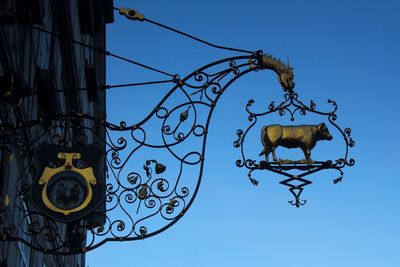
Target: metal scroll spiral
x=143, y=197
x=292, y=106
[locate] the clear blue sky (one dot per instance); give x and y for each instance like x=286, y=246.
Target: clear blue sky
x=345, y=50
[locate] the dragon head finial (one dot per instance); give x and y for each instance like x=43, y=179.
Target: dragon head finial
x=284, y=71
x=286, y=79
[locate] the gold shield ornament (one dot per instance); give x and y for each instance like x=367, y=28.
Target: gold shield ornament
x=67, y=188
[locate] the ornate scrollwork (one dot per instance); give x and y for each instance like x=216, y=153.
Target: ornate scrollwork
x=292, y=106
x=143, y=196
x=153, y=168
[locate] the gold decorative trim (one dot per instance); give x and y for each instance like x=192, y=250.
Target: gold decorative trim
x=86, y=173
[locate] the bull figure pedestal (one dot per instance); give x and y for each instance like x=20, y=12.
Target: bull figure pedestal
x=302, y=136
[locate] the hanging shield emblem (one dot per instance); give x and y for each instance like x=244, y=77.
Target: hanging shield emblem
x=69, y=181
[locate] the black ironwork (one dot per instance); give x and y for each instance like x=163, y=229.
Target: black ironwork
x=137, y=200
x=99, y=50
x=295, y=181
x=141, y=199
x=137, y=16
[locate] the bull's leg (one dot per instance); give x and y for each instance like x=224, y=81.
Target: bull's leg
x=267, y=155
x=307, y=154
x=265, y=152
x=274, y=155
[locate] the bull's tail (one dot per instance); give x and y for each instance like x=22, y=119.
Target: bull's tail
x=263, y=134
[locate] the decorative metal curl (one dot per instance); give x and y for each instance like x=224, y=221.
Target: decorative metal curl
x=142, y=198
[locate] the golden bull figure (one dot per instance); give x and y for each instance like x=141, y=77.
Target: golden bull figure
x=302, y=136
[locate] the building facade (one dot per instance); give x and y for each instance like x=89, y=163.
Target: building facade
x=47, y=66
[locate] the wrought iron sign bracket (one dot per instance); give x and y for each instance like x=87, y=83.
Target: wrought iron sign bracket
x=117, y=196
